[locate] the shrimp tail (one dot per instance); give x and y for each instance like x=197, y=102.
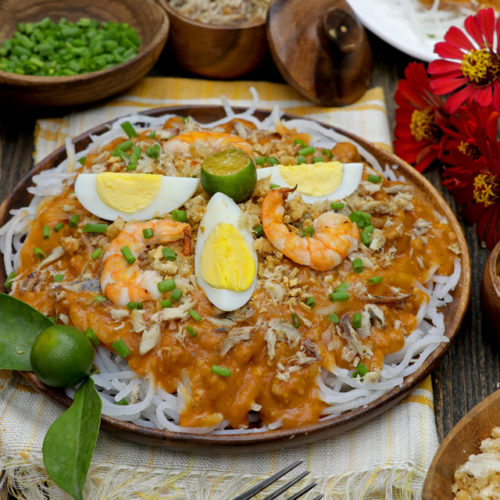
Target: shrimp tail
x=286, y=191
x=188, y=241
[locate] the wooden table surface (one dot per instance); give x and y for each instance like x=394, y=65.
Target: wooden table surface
x=468, y=372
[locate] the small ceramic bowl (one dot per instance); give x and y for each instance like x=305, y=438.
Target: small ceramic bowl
x=490, y=290
x=147, y=16
x=215, y=51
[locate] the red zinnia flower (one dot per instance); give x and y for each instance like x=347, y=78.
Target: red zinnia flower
x=470, y=70
x=475, y=179
x=418, y=118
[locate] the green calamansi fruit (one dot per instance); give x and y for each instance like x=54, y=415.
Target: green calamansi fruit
x=61, y=356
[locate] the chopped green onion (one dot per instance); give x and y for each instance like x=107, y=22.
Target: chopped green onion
x=121, y=148
x=342, y=287
x=95, y=228
x=92, y=336
x=336, y=205
x=148, y=233
x=121, y=348
x=333, y=318
x=166, y=285
x=309, y=231
x=220, y=370
x=360, y=371
x=274, y=186
x=9, y=280
x=58, y=278
x=99, y=298
x=376, y=179
x=360, y=218
x=128, y=129
x=375, y=280
x=39, y=253
x=46, y=232
x=299, y=142
x=176, y=294
x=337, y=296
x=259, y=231
x=73, y=220
x=134, y=157
x=168, y=253
x=191, y=331
x=295, y=320
x=318, y=159
x=310, y=302
x=153, y=151
x=300, y=160
x=261, y=160
x=307, y=150
x=152, y=134
x=166, y=303
x=127, y=253
x=328, y=153
x=96, y=253
x=135, y=305
x=272, y=160
x=82, y=160
x=366, y=235
x=195, y=315
x=179, y=215
x=122, y=402
x=58, y=227
x=357, y=266
x=356, y=320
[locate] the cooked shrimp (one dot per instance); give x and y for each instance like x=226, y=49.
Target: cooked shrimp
x=335, y=236
x=122, y=282
x=217, y=140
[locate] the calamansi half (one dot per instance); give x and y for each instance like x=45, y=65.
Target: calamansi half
x=61, y=356
x=231, y=172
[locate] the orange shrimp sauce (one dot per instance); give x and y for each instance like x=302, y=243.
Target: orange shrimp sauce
x=254, y=379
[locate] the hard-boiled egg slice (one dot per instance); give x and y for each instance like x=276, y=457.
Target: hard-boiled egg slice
x=225, y=261
x=318, y=181
x=110, y=195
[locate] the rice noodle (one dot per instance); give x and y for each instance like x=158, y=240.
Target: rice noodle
x=155, y=408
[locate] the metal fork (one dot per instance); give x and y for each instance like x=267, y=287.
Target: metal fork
x=270, y=480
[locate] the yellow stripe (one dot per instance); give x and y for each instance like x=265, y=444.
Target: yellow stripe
x=418, y=399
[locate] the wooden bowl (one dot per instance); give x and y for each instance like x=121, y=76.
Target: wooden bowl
x=147, y=17
x=463, y=440
x=453, y=314
x=215, y=51
x=490, y=290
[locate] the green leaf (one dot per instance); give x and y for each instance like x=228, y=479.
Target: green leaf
x=70, y=441
x=20, y=325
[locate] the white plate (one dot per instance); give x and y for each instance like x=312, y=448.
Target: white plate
x=389, y=21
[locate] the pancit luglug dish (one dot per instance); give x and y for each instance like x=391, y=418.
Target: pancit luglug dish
x=291, y=307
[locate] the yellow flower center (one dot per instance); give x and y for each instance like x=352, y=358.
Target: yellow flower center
x=486, y=189
x=468, y=149
x=423, y=126
x=481, y=67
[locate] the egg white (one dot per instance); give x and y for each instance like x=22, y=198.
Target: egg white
x=351, y=177
x=222, y=209
x=173, y=193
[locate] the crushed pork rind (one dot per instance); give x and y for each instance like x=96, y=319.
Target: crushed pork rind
x=479, y=477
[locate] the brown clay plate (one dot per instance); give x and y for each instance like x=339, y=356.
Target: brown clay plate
x=463, y=440
x=453, y=314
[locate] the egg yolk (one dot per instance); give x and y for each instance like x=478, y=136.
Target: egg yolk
x=127, y=193
x=318, y=179
x=227, y=260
